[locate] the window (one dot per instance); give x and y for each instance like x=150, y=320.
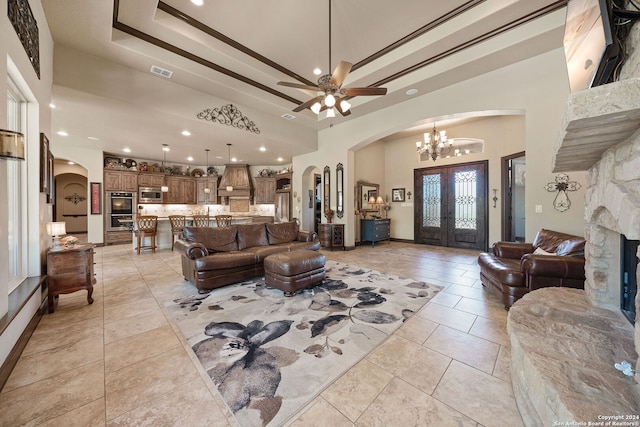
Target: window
x=16, y=222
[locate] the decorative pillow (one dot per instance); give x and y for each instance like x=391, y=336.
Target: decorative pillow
x=540, y=251
x=250, y=235
x=282, y=233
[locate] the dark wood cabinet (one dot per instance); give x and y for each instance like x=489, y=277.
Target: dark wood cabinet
x=331, y=235
x=265, y=190
x=181, y=190
x=115, y=180
x=375, y=230
x=70, y=269
x=146, y=179
x=210, y=182
x=283, y=182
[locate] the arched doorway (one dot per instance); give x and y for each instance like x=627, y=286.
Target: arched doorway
x=310, y=199
x=71, y=196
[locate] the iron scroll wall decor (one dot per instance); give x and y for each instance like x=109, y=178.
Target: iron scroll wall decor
x=229, y=115
x=26, y=26
x=562, y=185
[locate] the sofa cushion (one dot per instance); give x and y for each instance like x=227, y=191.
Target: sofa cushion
x=261, y=252
x=284, y=232
x=250, y=235
x=503, y=270
x=216, y=239
x=225, y=260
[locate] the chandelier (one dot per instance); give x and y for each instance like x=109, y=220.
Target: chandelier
x=435, y=143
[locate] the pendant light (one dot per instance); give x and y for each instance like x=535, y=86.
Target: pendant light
x=165, y=148
x=229, y=187
x=207, y=190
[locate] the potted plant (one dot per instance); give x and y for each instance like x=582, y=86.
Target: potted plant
x=328, y=213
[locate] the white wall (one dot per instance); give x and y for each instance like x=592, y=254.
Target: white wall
x=538, y=86
x=14, y=61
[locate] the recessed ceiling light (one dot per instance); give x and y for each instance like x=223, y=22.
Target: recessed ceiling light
x=263, y=149
x=186, y=133
x=280, y=159
x=126, y=150
x=93, y=138
x=218, y=157
x=197, y=2
x=62, y=133
x=190, y=159
x=411, y=92
x=71, y=163
x=52, y=105
x=317, y=71
x=233, y=159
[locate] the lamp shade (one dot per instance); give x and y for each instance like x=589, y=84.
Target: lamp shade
x=372, y=200
x=11, y=145
x=379, y=201
x=56, y=228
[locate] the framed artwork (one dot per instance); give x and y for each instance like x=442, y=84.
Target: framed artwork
x=51, y=197
x=95, y=189
x=44, y=162
x=397, y=195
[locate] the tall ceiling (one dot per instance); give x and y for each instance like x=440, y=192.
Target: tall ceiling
x=229, y=52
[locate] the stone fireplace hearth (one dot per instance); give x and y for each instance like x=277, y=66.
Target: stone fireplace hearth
x=565, y=342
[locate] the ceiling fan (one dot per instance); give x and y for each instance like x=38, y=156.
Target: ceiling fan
x=330, y=86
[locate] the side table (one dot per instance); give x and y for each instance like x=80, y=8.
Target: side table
x=70, y=269
x=331, y=235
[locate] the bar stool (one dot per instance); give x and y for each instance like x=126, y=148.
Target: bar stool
x=201, y=220
x=223, y=220
x=146, y=227
x=178, y=222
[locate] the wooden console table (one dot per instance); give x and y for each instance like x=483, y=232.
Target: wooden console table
x=70, y=269
x=374, y=230
x=331, y=235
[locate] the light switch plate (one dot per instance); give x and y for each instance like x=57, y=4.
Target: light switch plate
x=538, y=208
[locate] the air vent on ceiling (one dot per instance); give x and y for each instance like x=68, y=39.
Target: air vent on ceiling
x=161, y=71
x=288, y=116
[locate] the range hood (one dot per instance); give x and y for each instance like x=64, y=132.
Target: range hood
x=238, y=177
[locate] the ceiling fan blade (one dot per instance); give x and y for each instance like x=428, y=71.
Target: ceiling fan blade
x=307, y=104
x=300, y=86
x=340, y=73
x=365, y=91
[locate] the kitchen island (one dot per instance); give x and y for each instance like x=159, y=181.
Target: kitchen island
x=164, y=235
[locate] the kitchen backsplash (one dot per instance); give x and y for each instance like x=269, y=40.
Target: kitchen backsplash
x=187, y=210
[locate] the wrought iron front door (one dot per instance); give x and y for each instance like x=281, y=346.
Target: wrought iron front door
x=451, y=206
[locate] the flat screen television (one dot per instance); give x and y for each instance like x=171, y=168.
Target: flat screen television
x=591, y=51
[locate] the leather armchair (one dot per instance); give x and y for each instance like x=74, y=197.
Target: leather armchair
x=513, y=270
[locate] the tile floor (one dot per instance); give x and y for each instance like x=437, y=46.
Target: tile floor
x=120, y=361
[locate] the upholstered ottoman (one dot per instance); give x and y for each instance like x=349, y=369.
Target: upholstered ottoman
x=293, y=270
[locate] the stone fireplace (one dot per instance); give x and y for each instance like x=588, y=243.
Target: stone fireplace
x=565, y=342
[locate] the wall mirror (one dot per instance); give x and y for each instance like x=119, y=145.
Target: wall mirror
x=326, y=182
x=366, y=190
x=339, y=190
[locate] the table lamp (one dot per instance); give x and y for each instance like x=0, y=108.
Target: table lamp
x=56, y=229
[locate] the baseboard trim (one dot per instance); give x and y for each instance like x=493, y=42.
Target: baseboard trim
x=17, y=300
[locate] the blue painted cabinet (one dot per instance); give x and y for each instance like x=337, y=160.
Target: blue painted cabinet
x=374, y=230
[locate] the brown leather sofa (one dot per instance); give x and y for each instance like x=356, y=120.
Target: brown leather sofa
x=213, y=257
x=513, y=269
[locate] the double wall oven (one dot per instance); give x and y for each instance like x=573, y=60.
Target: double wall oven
x=120, y=209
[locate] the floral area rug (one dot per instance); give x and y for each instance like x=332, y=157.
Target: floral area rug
x=270, y=355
